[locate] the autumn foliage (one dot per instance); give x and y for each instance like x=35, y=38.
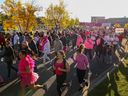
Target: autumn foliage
x=20, y=16
x=57, y=15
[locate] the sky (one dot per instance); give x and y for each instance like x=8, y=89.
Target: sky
x=84, y=9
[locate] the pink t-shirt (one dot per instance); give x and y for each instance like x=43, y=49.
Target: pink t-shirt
x=98, y=41
x=79, y=40
x=89, y=44
x=87, y=33
x=82, y=61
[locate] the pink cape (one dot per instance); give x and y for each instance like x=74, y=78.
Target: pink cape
x=88, y=44
x=79, y=40
x=27, y=78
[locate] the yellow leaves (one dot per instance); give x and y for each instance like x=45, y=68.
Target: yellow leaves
x=72, y=22
x=57, y=15
x=126, y=26
x=117, y=25
x=21, y=15
x=8, y=25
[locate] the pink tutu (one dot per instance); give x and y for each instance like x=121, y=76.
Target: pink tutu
x=28, y=79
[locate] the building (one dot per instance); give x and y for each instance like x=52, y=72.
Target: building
x=102, y=19
x=97, y=19
x=121, y=21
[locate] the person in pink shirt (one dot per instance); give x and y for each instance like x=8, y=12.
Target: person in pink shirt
x=27, y=75
x=82, y=65
x=79, y=40
x=89, y=45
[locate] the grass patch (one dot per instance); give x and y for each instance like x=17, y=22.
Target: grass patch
x=115, y=85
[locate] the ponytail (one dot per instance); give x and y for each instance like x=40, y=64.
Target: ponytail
x=80, y=48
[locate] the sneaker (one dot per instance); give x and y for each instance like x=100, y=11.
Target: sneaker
x=68, y=84
x=85, y=80
x=65, y=84
x=45, y=88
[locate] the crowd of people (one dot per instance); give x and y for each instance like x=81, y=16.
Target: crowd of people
x=27, y=48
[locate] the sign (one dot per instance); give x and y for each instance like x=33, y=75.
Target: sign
x=106, y=24
x=119, y=30
x=90, y=24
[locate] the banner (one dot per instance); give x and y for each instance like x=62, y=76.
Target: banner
x=119, y=30
x=90, y=24
x=106, y=24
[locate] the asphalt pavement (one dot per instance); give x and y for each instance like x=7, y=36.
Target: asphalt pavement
x=12, y=86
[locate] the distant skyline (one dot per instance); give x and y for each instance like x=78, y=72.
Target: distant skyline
x=84, y=9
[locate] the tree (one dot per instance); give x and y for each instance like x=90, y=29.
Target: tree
x=126, y=26
x=73, y=22
x=20, y=16
x=2, y=17
x=117, y=25
x=57, y=15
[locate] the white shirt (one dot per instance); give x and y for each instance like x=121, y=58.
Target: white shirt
x=47, y=47
x=36, y=39
x=16, y=39
x=93, y=37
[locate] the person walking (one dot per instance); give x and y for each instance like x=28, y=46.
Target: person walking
x=82, y=65
x=45, y=49
x=9, y=56
x=57, y=44
x=26, y=72
x=61, y=67
x=30, y=52
x=32, y=45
